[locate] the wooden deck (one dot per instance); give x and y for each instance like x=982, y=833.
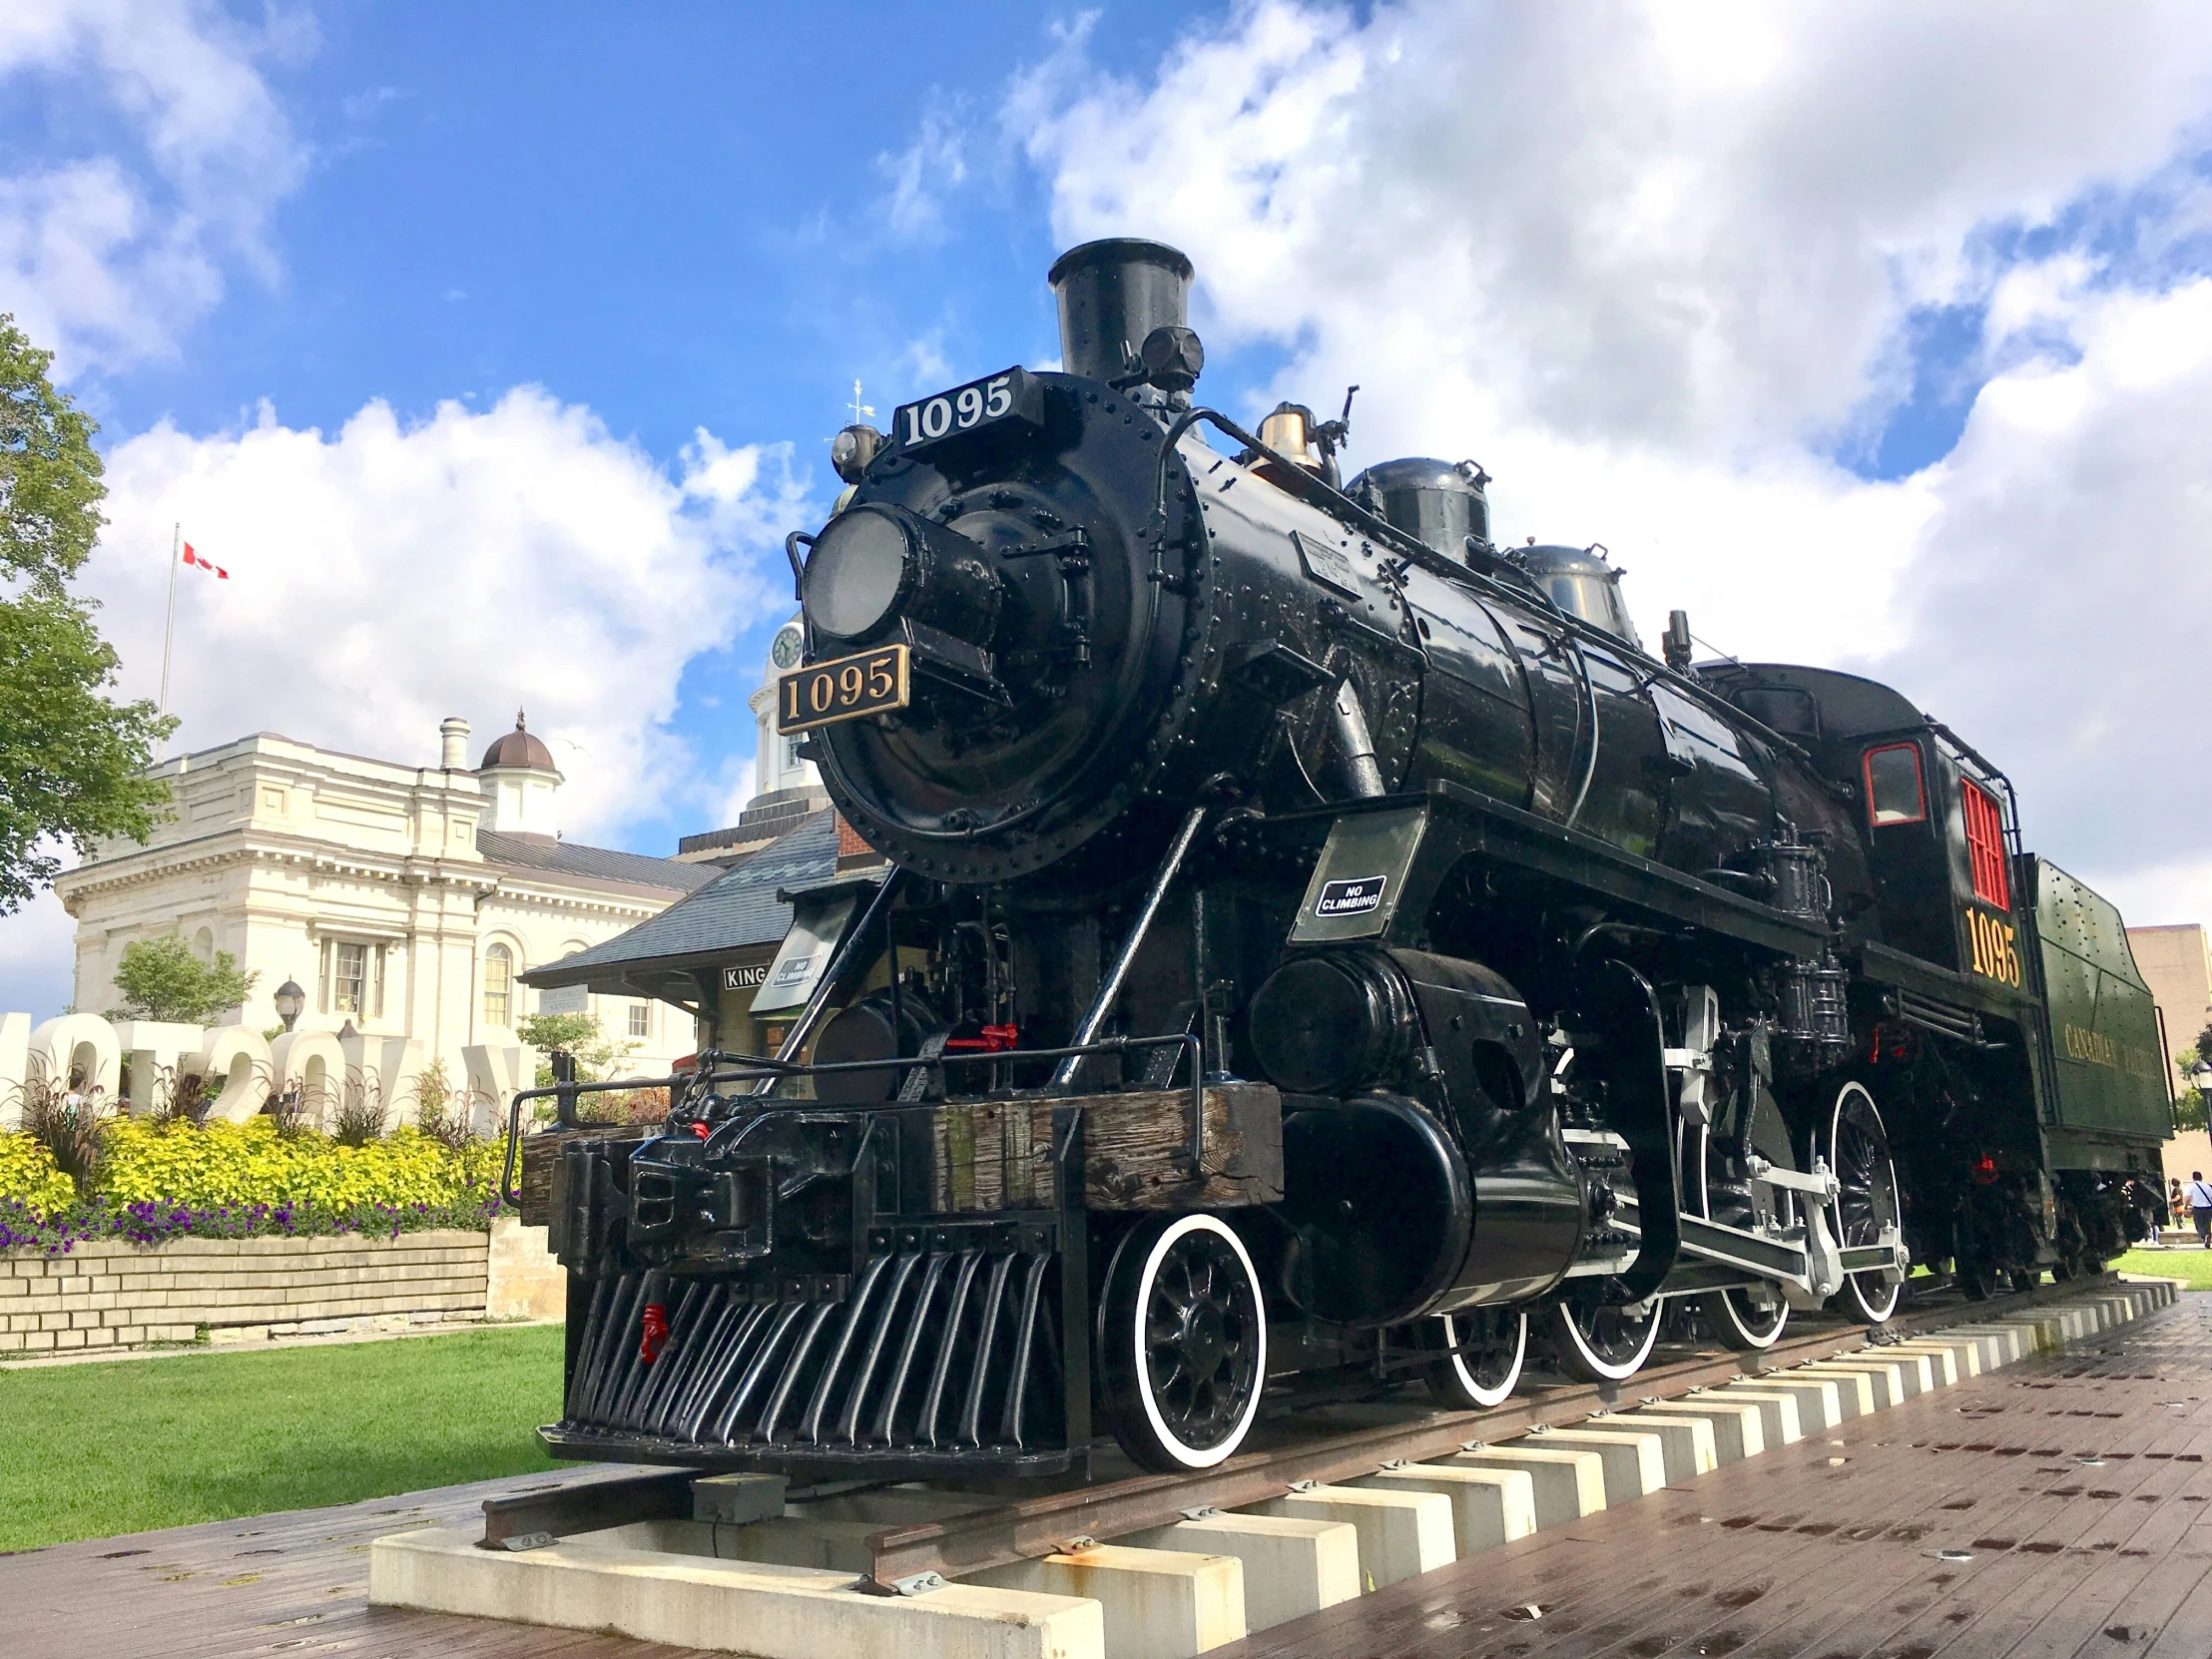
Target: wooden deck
x=1817, y=1550
x=1828, y=1550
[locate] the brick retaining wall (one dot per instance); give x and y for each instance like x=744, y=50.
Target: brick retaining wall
x=115, y=1295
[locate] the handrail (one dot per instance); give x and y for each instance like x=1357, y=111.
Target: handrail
x=762, y=1106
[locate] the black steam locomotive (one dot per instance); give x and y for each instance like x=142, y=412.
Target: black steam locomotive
x=1322, y=947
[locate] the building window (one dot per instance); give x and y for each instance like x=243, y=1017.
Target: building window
x=1893, y=794
x=348, y=978
x=1986, y=844
x=641, y=1019
x=499, y=984
x=352, y=978
x=791, y=758
x=203, y=944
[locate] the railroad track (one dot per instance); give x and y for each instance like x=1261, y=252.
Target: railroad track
x=904, y=1558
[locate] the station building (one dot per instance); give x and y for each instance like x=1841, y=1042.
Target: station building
x=406, y=900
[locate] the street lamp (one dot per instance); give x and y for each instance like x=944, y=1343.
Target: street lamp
x=289, y=999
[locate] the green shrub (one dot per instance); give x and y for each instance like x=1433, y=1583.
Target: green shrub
x=30, y=1177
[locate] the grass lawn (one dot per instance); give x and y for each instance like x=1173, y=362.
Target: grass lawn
x=2192, y=1265
x=90, y=1451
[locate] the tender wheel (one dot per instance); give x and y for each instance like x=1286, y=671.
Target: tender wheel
x=1856, y=1150
x=1493, y=1342
x=1182, y=1343
x=1741, y=1322
x=1599, y=1342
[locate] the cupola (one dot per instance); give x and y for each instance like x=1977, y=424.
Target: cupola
x=520, y=783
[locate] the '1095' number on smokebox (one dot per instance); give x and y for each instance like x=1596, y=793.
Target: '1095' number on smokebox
x=822, y=694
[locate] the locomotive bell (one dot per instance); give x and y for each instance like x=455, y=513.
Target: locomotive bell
x=878, y=563
x=1113, y=296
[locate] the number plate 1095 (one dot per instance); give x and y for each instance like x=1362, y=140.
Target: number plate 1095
x=1014, y=397
x=822, y=694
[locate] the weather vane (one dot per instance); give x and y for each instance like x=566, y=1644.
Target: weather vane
x=860, y=410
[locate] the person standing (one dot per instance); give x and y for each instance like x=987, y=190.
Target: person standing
x=2200, y=1206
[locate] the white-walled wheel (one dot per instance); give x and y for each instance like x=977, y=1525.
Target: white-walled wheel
x=1601, y=1341
x=1484, y=1348
x=1741, y=1322
x=1855, y=1147
x=1182, y=1343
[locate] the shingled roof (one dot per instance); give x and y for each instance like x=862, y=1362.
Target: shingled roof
x=594, y=863
x=736, y=910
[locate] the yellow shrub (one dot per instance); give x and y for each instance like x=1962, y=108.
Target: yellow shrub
x=28, y=1175
x=250, y=1163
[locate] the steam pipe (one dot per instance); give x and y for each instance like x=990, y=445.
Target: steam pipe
x=1109, y=991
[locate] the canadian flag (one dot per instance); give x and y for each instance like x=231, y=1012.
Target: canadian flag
x=191, y=558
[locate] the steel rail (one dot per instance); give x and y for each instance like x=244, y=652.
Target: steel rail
x=1042, y=1525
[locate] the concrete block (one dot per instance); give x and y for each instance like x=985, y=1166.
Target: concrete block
x=1292, y=1566
x=2013, y=1344
x=1402, y=1534
x=1938, y=1361
x=773, y=1612
x=11, y=1341
x=69, y=1339
x=1569, y=1484
x=1864, y=1385
x=1778, y=1411
x=1489, y=1506
x=733, y=1500
x=1818, y=1405
x=1157, y=1603
x=1737, y=1427
x=1689, y=1443
x=1635, y=1459
x=38, y=1341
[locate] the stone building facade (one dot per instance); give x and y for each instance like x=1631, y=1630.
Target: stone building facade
x=406, y=900
x=2177, y=964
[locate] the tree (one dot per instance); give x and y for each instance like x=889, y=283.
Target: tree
x=597, y=1056
x=160, y=978
x=71, y=757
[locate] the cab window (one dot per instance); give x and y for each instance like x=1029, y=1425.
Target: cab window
x=1894, y=791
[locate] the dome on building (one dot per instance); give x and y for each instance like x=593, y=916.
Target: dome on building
x=518, y=749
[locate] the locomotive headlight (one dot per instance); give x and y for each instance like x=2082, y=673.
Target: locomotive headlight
x=877, y=563
x=855, y=573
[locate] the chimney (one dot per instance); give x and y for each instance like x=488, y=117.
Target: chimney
x=1112, y=294
x=453, y=743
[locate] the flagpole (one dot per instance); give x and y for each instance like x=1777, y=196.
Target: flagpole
x=169, y=628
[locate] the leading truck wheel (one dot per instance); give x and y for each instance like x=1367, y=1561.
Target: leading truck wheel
x=1182, y=1343
x=1483, y=1350
x=1856, y=1148
x=1597, y=1342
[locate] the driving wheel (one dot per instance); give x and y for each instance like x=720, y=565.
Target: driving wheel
x=1856, y=1148
x=1604, y=1341
x=1482, y=1354
x=1182, y=1343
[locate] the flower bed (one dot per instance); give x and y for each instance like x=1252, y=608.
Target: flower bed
x=159, y=1181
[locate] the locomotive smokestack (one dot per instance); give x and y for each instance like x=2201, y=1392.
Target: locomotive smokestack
x=1112, y=294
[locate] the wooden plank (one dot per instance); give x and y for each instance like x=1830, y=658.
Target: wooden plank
x=1792, y=1554
x=991, y=1154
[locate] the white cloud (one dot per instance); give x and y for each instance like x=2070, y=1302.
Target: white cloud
x=922, y=175
x=107, y=256
x=1652, y=263
x=388, y=575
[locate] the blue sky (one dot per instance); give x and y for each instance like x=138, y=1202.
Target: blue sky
x=494, y=347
